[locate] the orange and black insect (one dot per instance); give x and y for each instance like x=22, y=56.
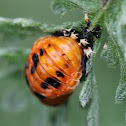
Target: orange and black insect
x=56, y=63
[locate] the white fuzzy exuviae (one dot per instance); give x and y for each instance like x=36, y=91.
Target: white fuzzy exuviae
x=73, y=36
x=84, y=41
x=88, y=51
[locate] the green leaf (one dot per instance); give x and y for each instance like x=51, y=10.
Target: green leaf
x=87, y=89
x=110, y=53
x=92, y=117
x=63, y=6
x=115, y=51
x=28, y=26
x=121, y=89
x=19, y=24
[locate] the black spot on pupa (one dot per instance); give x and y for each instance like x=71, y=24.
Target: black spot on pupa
x=41, y=52
x=49, y=45
x=39, y=95
x=63, y=54
x=27, y=80
x=44, y=85
x=59, y=74
x=35, y=59
x=66, y=65
x=32, y=69
x=26, y=65
x=53, y=81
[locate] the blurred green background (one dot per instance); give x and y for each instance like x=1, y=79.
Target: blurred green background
x=19, y=107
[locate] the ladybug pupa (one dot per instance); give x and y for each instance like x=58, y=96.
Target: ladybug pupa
x=56, y=63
